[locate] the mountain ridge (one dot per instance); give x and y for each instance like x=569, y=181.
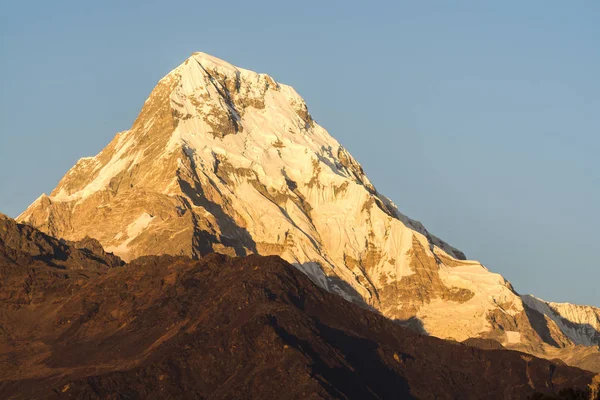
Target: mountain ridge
x=166, y=327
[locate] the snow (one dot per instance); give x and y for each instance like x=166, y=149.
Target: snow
x=513, y=337
x=134, y=229
x=337, y=226
x=580, y=323
x=138, y=226
x=25, y=215
x=314, y=272
x=119, y=162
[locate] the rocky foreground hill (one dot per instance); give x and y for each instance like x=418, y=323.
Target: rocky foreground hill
x=77, y=323
x=222, y=159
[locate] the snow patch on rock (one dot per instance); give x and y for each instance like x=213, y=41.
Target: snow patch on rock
x=134, y=229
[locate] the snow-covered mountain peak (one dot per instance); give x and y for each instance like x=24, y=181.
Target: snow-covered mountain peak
x=211, y=65
x=205, y=58
x=202, y=69
x=224, y=159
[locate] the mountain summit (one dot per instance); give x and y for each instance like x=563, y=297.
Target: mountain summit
x=223, y=159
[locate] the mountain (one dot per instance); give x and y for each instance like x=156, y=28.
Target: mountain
x=165, y=327
x=23, y=245
x=222, y=159
x=580, y=323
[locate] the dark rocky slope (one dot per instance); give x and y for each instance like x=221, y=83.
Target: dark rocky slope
x=166, y=327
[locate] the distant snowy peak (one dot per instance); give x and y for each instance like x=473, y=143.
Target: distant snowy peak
x=580, y=323
x=225, y=159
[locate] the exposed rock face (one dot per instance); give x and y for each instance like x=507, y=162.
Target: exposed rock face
x=23, y=245
x=224, y=159
x=31, y=261
x=219, y=327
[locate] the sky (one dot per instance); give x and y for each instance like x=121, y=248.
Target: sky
x=480, y=119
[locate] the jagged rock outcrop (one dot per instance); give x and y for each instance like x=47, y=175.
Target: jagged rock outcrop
x=224, y=159
x=30, y=260
x=220, y=328
x=22, y=245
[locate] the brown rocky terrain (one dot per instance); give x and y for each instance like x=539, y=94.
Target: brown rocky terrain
x=74, y=323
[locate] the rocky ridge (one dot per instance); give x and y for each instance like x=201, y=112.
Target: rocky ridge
x=229, y=327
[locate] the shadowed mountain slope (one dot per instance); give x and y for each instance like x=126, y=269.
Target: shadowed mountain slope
x=221, y=327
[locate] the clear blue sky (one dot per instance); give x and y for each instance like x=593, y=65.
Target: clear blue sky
x=479, y=118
